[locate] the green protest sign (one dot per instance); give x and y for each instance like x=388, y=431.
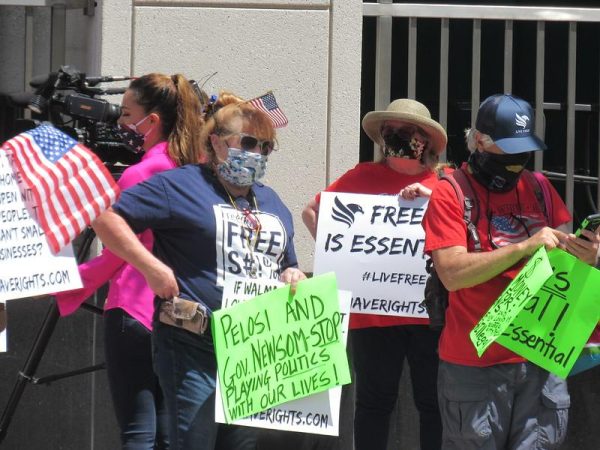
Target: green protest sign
x=556, y=322
x=273, y=348
x=529, y=280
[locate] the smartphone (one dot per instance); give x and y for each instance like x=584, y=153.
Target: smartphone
x=591, y=223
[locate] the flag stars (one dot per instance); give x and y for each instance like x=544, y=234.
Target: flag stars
x=53, y=143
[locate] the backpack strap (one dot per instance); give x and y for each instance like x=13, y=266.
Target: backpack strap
x=466, y=196
x=540, y=185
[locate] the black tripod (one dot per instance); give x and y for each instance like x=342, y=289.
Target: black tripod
x=27, y=375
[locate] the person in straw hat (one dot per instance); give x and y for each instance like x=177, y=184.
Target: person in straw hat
x=411, y=142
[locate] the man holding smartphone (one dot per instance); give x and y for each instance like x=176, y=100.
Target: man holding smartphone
x=498, y=401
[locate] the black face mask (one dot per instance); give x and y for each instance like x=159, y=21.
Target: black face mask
x=498, y=173
x=403, y=143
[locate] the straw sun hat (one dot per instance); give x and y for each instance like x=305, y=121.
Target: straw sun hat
x=409, y=111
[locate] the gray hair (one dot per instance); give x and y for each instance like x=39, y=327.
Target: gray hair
x=471, y=135
x=430, y=158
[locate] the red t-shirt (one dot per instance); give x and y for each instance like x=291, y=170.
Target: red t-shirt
x=378, y=178
x=514, y=214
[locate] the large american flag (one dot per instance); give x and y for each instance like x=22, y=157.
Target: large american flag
x=70, y=185
x=268, y=104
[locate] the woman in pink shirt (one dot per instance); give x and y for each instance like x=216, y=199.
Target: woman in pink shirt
x=160, y=115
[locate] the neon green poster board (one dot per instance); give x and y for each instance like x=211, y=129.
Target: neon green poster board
x=529, y=280
x=274, y=348
x=556, y=322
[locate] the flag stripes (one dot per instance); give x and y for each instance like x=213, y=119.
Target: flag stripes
x=69, y=183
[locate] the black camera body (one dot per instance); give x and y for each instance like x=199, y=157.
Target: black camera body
x=67, y=99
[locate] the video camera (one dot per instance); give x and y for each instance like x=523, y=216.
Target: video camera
x=67, y=99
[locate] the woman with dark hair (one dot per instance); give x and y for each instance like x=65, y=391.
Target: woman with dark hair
x=161, y=117
x=211, y=222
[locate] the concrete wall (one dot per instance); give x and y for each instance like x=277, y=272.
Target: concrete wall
x=302, y=50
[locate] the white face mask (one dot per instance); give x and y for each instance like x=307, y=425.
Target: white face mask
x=242, y=168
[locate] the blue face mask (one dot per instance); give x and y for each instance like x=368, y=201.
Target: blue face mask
x=242, y=168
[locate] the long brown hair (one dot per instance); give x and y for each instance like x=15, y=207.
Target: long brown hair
x=177, y=104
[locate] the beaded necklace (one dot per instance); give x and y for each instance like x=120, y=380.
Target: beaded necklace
x=253, y=226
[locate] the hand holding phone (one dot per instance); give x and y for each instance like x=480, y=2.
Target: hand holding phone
x=591, y=223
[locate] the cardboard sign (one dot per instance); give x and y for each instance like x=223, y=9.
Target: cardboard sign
x=554, y=325
x=316, y=414
x=277, y=347
x=374, y=244
x=27, y=265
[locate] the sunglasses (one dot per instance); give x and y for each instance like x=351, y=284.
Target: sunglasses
x=249, y=143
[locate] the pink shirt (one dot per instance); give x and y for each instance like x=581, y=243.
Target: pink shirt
x=128, y=289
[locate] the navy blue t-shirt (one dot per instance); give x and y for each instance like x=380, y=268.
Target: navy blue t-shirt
x=202, y=237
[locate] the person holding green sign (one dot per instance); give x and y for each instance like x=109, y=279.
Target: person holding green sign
x=498, y=401
x=211, y=222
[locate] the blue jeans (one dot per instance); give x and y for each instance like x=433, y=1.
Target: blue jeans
x=137, y=397
x=187, y=367
x=379, y=354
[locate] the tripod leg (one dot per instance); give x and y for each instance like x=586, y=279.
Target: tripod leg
x=39, y=347
x=31, y=364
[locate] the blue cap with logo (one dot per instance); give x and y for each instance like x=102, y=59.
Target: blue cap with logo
x=508, y=120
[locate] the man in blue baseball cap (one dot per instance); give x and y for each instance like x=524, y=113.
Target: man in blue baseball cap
x=478, y=245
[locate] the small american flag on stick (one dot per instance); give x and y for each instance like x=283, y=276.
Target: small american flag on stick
x=69, y=183
x=268, y=104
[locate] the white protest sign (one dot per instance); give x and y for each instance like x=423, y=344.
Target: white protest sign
x=374, y=244
x=316, y=414
x=27, y=265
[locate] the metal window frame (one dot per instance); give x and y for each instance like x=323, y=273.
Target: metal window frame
x=385, y=10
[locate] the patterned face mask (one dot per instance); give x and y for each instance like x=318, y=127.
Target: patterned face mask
x=242, y=168
x=131, y=137
x=403, y=143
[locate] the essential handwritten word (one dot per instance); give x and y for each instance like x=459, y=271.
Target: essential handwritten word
x=384, y=305
x=292, y=417
x=35, y=281
x=395, y=277
x=540, y=344
x=397, y=215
